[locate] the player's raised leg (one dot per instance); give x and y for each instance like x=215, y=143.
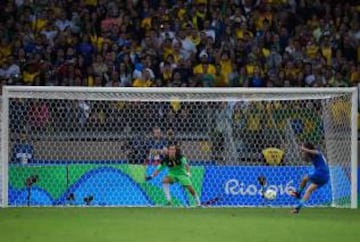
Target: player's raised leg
x=297, y=193
x=312, y=187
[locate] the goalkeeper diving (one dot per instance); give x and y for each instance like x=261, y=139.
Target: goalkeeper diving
x=178, y=171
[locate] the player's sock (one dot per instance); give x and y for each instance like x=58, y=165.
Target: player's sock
x=297, y=193
x=300, y=190
x=301, y=204
x=167, y=192
x=296, y=210
x=198, y=203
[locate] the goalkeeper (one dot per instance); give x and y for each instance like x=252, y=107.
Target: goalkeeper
x=179, y=171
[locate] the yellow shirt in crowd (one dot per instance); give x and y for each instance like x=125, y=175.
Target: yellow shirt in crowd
x=273, y=156
x=142, y=83
x=201, y=69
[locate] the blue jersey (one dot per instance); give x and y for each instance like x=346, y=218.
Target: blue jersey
x=155, y=144
x=319, y=162
x=23, y=153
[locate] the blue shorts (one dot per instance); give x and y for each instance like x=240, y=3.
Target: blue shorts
x=318, y=179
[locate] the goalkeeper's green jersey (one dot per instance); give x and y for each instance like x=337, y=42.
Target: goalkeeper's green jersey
x=176, y=166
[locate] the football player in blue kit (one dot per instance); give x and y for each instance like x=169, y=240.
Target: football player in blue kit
x=318, y=178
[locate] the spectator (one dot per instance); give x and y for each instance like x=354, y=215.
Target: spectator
x=146, y=79
x=39, y=115
x=257, y=79
x=166, y=73
x=125, y=76
x=188, y=48
x=99, y=66
x=136, y=150
x=268, y=35
x=10, y=70
x=62, y=23
x=205, y=72
x=273, y=156
x=155, y=145
x=22, y=151
x=85, y=48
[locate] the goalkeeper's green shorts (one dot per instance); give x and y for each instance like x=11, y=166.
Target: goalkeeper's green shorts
x=184, y=180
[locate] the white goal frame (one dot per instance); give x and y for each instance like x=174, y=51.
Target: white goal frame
x=256, y=94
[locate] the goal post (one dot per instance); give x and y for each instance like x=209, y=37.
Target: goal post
x=354, y=148
x=94, y=146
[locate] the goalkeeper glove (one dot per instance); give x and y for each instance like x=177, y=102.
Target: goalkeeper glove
x=188, y=174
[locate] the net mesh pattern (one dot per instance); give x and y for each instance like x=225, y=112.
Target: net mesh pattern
x=96, y=147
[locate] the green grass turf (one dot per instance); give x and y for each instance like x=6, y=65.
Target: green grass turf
x=177, y=225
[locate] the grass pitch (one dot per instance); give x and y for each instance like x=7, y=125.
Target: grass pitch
x=178, y=225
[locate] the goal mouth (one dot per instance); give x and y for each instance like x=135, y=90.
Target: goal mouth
x=81, y=146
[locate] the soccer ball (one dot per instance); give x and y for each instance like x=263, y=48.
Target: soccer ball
x=270, y=194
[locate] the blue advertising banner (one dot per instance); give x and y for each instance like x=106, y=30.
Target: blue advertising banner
x=238, y=186
x=125, y=185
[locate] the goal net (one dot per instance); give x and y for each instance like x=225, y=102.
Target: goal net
x=94, y=146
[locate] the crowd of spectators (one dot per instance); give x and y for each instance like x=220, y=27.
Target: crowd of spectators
x=195, y=43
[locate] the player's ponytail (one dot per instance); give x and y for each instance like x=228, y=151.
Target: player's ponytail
x=309, y=146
